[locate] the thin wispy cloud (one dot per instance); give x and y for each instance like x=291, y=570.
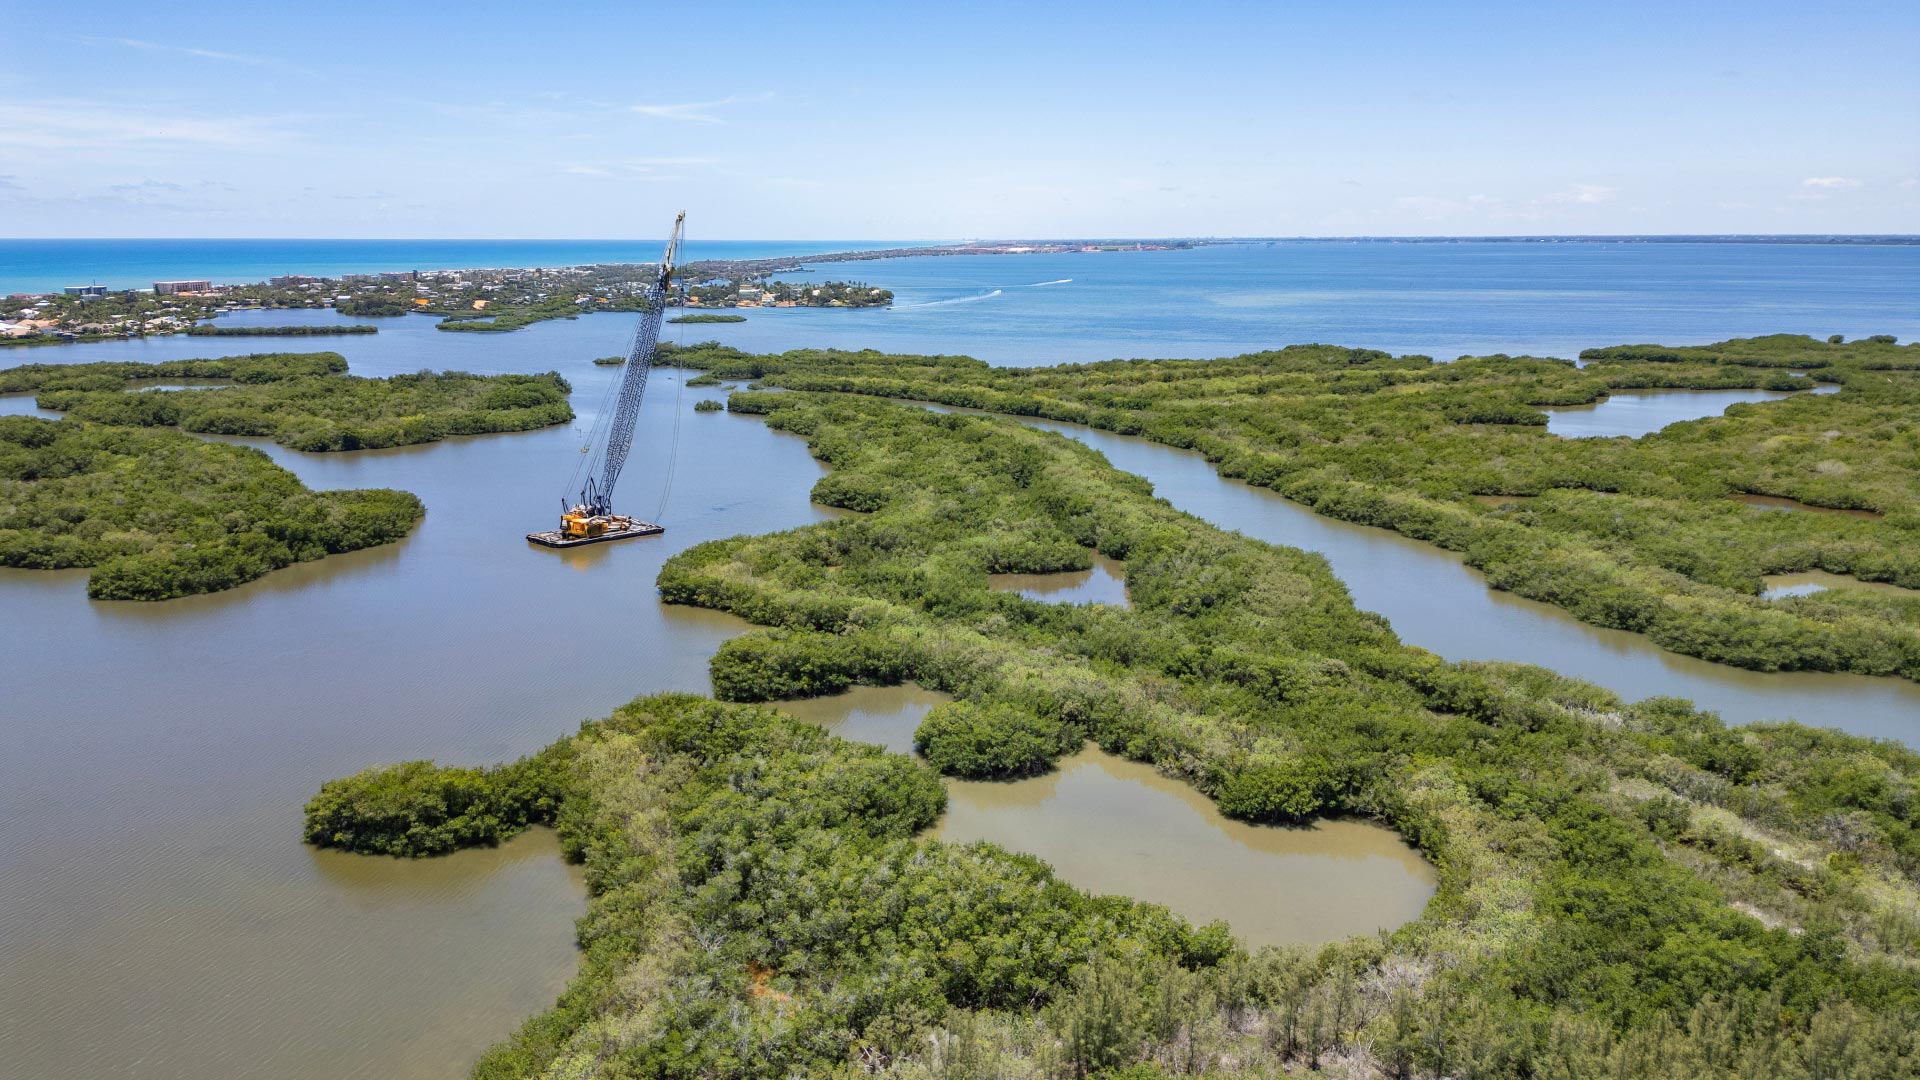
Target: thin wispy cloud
x=699, y=112
x=1829, y=183
x=1585, y=195
x=179, y=50
x=653, y=168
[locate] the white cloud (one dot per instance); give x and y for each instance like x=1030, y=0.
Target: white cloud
x=1829, y=182
x=148, y=185
x=586, y=170
x=696, y=111
x=1584, y=194
x=1909, y=183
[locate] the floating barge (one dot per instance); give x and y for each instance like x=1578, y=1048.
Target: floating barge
x=620, y=528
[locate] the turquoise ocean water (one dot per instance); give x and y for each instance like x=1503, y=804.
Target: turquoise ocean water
x=47, y=265
x=1438, y=299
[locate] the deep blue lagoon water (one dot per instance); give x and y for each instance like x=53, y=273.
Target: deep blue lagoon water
x=1442, y=300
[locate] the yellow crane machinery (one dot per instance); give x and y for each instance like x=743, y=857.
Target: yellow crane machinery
x=588, y=517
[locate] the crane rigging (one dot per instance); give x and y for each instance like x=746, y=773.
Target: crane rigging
x=589, y=518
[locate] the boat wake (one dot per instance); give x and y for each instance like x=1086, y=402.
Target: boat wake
x=959, y=300
x=1062, y=281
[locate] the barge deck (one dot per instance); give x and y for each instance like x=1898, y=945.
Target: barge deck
x=556, y=539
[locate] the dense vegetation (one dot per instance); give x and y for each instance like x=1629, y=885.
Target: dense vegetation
x=707, y=405
x=1625, y=889
x=307, y=330
x=300, y=400
x=610, y=361
x=382, y=305
x=842, y=294
x=707, y=319
x=1634, y=534
x=158, y=514
x=996, y=741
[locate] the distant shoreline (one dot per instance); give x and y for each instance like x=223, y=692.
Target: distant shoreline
x=792, y=262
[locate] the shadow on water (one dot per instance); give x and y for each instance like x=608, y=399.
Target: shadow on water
x=1105, y=582
x=1111, y=825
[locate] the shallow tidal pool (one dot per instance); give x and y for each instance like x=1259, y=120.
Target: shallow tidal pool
x=1110, y=825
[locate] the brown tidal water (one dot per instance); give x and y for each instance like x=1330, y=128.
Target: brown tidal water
x=1806, y=582
x=1111, y=825
x=1105, y=582
x=160, y=917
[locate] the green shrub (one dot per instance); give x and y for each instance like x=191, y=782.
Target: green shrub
x=419, y=808
x=996, y=741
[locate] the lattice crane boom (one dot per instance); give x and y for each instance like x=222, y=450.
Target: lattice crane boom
x=597, y=496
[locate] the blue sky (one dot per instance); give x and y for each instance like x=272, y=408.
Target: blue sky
x=849, y=121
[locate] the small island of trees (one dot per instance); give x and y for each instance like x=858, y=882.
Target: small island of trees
x=117, y=484
x=158, y=514
x=303, y=330
x=305, y=401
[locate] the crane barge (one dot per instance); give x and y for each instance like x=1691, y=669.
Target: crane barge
x=588, y=518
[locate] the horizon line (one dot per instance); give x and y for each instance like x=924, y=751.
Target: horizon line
x=1209, y=238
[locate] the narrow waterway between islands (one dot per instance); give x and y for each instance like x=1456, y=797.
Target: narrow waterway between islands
x=1437, y=602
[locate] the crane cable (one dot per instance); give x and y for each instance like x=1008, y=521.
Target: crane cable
x=603, y=416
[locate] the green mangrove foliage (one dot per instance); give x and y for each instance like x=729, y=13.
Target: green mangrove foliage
x=417, y=808
x=1625, y=889
x=303, y=330
x=708, y=405
x=501, y=318
x=300, y=400
x=1635, y=534
x=707, y=319
x=760, y=904
x=994, y=741
x=158, y=514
